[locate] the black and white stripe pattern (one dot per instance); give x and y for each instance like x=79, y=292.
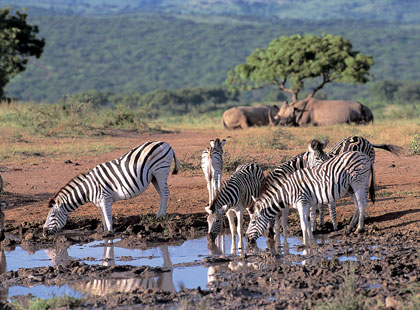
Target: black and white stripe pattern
x=122, y=178
x=275, y=177
x=2, y=207
x=352, y=143
x=320, y=185
x=234, y=195
x=212, y=166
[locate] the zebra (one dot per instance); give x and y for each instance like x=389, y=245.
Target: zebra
x=234, y=195
x=212, y=166
x=2, y=208
x=351, y=143
x=348, y=172
x=123, y=178
x=274, y=177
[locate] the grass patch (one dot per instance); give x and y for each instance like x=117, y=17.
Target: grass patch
x=71, y=118
x=190, y=304
x=347, y=297
x=277, y=139
x=415, y=145
x=64, y=302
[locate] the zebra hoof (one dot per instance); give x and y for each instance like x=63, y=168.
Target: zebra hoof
x=359, y=230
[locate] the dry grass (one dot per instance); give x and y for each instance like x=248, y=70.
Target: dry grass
x=18, y=143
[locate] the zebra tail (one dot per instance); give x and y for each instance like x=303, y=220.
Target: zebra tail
x=176, y=166
x=394, y=149
x=372, y=189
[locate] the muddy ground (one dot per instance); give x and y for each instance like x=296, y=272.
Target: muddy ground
x=268, y=280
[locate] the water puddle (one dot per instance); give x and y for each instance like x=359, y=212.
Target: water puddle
x=187, y=263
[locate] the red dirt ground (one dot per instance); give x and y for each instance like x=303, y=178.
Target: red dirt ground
x=29, y=186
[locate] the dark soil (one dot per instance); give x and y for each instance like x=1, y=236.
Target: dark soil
x=386, y=274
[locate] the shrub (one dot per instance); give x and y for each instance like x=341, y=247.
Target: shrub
x=415, y=145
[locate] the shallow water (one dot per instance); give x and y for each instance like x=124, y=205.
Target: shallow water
x=185, y=262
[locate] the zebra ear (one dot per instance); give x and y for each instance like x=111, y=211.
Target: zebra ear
x=325, y=143
x=223, y=143
x=212, y=143
x=208, y=210
x=253, y=199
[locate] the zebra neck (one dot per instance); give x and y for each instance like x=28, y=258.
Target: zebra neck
x=74, y=194
x=281, y=200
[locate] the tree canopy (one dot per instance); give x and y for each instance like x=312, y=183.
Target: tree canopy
x=18, y=42
x=289, y=61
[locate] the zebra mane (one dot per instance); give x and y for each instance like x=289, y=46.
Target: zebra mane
x=51, y=202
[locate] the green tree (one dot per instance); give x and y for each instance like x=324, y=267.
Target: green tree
x=18, y=42
x=290, y=60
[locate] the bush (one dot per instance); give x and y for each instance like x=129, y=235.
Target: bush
x=415, y=145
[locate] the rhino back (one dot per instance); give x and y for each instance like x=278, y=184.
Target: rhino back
x=233, y=118
x=329, y=112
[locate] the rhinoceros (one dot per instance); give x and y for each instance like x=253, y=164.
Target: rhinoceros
x=321, y=112
x=243, y=117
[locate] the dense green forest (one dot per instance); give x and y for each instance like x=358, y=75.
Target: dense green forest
x=401, y=11
x=136, y=53
x=126, y=53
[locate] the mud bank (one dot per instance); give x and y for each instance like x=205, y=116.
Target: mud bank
x=374, y=268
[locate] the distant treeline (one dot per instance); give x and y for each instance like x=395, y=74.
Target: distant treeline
x=401, y=11
x=163, y=102
x=144, y=52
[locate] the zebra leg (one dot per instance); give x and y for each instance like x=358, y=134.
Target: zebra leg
x=284, y=221
x=332, y=208
x=312, y=216
x=106, y=212
x=240, y=216
x=160, y=183
x=210, y=192
x=305, y=224
x=231, y=217
x=355, y=216
x=321, y=215
x=361, y=198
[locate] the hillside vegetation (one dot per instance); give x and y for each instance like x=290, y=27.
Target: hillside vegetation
x=144, y=52
x=401, y=11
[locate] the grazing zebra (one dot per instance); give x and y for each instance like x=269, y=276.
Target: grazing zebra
x=348, y=172
x=273, y=179
x=2, y=207
x=234, y=195
x=352, y=143
x=212, y=165
x=122, y=178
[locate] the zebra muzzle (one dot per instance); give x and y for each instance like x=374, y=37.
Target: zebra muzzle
x=45, y=232
x=211, y=237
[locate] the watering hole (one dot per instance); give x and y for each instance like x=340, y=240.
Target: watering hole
x=187, y=264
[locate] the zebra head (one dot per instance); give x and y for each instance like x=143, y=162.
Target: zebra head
x=56, y=219
x=215, y=221
x=256, y=228
x=316, y=152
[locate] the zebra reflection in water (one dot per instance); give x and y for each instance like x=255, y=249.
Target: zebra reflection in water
x=4, y=292
x=102, y=287
x=217, y=249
